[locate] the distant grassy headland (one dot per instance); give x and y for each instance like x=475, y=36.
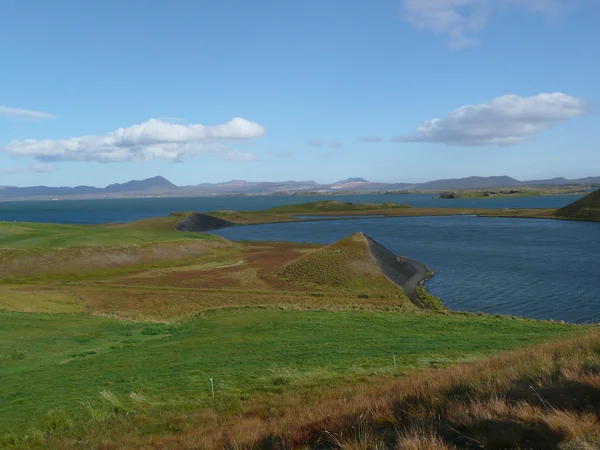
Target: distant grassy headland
x=525, y=191
x=586, y=208
x=326, y=209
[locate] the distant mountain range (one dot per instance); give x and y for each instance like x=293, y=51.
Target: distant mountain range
x=159, y=186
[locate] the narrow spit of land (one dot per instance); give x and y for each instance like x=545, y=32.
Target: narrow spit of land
x=406, y=273
x=336, y=210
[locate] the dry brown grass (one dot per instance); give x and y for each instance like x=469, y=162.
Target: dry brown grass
x=233, y=275
x=43, y=299
x=167, y=304
x=78, y=261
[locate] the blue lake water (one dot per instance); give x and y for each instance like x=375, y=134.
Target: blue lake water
x=542, y=269
x=125, y=210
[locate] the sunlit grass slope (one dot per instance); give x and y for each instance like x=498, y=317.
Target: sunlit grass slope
x=28, y=249
x=58, y=365
x=39, y=236
x=345, y=264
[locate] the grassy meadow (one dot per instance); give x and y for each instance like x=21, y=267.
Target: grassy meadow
x=75, y=366
x=110, y=335
x=40, y=236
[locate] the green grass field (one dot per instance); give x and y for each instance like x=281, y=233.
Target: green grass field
x=41, y=236
x=77, y=365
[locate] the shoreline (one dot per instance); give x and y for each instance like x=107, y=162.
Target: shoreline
x=408, y=274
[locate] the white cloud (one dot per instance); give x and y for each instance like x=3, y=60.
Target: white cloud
x=336, y=144
x=315, y=142
x=154, y=139
x=36, y=167
x=370, y=139
x=506, y=120
x=24, y=113
x=461, y=20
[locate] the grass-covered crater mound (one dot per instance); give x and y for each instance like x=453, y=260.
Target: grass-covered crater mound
x=586, y=208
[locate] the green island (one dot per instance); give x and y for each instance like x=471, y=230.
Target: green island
x=154, y=334
x=524, y=191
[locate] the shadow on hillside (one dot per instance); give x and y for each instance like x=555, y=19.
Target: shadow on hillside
x=504, y=434
x=501, y=432
x=569, y=395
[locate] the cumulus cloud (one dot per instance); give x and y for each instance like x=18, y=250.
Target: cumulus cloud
x=316, y=142
x=154, y=139
x=370, y=139
x=461, y=20
x=336, y=144
x=24, y=113
x=506, y=120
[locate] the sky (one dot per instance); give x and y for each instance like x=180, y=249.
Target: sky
x=98, y=92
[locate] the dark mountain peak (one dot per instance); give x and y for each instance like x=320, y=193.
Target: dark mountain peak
x=157, y=182
x=353, y=180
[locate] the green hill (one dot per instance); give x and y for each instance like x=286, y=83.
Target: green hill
x=330, y=206
x=586, y=208
x=358, y=263
x=345, y=264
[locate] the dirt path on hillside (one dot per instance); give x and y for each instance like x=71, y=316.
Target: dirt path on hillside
x=406, y=273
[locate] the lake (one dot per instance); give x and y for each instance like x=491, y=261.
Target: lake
x=126, y=210
x=541, y=269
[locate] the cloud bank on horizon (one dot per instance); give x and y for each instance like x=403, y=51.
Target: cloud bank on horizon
x=461, y=20
x=506, y=120
x=153, y=139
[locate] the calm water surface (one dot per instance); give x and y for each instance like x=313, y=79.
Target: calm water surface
x=542, y=269
x=126, y=210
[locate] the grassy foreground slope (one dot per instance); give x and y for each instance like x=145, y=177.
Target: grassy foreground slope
x=586, y=208
x=543, y=398
x=67, y=373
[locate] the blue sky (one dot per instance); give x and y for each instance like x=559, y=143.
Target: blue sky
x=207, y=91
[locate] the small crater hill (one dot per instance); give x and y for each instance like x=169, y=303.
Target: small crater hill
x=586, y=208
x=199, y=222
x=359, y=263
x=329, y=206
